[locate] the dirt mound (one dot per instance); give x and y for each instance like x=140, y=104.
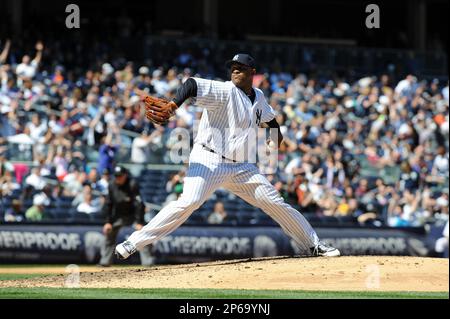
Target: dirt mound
x=339, y=274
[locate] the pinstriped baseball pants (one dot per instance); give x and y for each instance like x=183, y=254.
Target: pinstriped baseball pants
x=208, y=172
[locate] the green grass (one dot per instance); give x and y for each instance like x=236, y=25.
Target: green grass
x=122, y=293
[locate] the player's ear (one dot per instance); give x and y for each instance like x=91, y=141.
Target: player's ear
x=253, y=71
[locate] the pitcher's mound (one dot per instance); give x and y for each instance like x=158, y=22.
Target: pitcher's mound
x=284, y=273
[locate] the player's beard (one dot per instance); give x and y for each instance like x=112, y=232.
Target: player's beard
x=241, y=82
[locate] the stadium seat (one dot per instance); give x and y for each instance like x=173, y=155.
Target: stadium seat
x=97, y=216
x=80, y=217
x=346, y=220
x=244, y=220
x=329, y=220
x=195, y=219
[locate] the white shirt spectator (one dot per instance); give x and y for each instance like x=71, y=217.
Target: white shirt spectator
x=27, y=70
x=37, y=131
x=187, y=116
x=404, y=86
x=73, y=185
x=87, y=208
x=103, y=184
x=110, y=118
x=445, y=93
x=36, y=181
x=139, y=150
x=215, y=218
x=8, y=187
x=292, y=165
x=161, y=87
x=441, y=164
x=404, y=129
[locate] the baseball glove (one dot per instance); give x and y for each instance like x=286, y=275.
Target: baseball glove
x=158, y=110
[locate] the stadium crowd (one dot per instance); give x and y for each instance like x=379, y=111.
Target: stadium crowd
x=373, y=148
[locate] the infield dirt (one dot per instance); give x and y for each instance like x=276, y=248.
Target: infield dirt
x=350, y=273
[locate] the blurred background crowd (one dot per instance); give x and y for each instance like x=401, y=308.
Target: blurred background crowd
x=368, y=149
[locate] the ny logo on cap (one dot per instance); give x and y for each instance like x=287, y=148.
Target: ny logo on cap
x=236, y=57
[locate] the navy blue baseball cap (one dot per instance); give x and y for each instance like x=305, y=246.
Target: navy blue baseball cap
x=241, y=58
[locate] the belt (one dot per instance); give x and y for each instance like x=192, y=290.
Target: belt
x=213, y=151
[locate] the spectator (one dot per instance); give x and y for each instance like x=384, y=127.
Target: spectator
x=372, y=126
x=35, y=179
x=397, y=218
x=27, y=194
x=103, y=183
x=343, y=208
x=440, y=164
x=140, y=151
x=107, y=153
x=37, y=128
x=160, y=85
x=405, y=87
x=27, y=69
x=37, y=211
x=7, y=184
x=92, y=179
x=219, y=214
x=5, y=51
x=88, y=206
x=15, y=213
x=5, y=165
x=174, y=187
x=74, y=183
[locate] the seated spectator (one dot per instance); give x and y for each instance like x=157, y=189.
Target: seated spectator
x=343, y=208
x=92, y=178
x=337, y=132
x=37, y=211
x=7, y=184
x=88, y=206
x=176, y=192
x=218, y=215
x=441, y=163
x=27, y=194
x=15, y=212
x=397, y=218
x=5, y=165
x=79, y=198
x=35, y=179
x=74, y=183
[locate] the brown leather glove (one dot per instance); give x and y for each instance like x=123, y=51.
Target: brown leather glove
x=158, y=110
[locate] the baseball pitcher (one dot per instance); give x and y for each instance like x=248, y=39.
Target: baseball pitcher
x=235, y=107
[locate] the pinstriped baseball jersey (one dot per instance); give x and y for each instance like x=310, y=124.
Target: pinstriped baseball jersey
x=229, y=120
x=229, y=117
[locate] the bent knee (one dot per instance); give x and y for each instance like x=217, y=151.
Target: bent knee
x=266, y=201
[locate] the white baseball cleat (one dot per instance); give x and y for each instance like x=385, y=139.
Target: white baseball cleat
x=125, y=250
x=324, y=250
